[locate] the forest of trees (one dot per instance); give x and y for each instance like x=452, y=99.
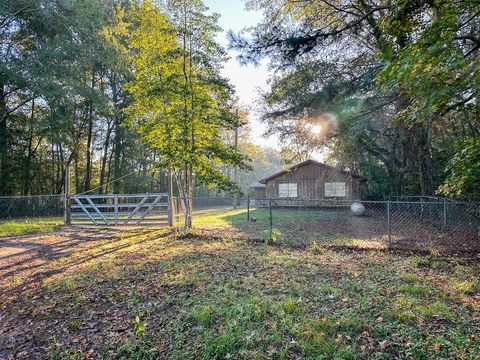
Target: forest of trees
x=116, y=90
x=392, y=88
x=125, y=93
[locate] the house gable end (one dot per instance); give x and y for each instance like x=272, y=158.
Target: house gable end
x=323, y=169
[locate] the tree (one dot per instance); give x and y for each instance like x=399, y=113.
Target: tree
x=179, y=101
x=374, y=64
x=464, y=172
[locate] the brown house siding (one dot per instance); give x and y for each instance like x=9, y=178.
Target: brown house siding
x=310, y=179
x=259, y=193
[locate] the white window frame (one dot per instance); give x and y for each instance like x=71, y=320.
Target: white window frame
x=290, y=190
x=335, y=189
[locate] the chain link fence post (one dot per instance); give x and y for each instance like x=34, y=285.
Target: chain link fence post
x=389, y=226
x=444, y=212
x=248, y=209
x=271, y=220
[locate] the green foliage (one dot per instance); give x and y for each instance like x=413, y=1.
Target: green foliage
x=435, y=71
x=180, y=102
x=401, y=78
x=138, y=326
x=64, y=97
x=203, y=315
x=62, y=85
x=464, y=172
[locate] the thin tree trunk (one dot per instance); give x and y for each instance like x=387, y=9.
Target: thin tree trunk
x=88, y=170
x=61, y=181
x=78, y=186
x=421, y=137
x=104, y=159
x=117, y=141
x=28, y=160
x=109, y=167
x=53, y=167
x=4, y=166
x=187, y=148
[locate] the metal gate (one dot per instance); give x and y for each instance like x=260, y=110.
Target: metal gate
x=119, y=210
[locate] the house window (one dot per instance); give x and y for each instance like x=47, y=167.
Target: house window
x=287, y=190
x=335, y=189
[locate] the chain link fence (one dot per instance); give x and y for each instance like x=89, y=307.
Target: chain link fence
x=435, y=225
x=425, y=224
x=25, y=214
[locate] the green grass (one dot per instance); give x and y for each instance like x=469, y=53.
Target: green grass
x=147, y=296
x=219, y=217
x=294, y=227
x=29, y=226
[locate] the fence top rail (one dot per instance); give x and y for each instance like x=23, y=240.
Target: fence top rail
x=30, y=196
x=423, y=197
x=119, y=205
x=368, y=201
x=434, y=200
x=112, y=196
x=335, y=200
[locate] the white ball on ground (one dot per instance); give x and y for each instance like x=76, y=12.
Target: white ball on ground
x=357, y=208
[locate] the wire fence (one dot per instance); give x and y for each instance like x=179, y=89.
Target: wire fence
x=31, y=207
x=429, y=224
x=29, y=214
x=434, y=225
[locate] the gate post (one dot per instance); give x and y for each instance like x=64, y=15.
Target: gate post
x=170, y=210
x=116, y=208
x=67, y=202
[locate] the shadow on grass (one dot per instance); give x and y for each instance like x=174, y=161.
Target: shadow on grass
x=64, y=251
x=200, y=298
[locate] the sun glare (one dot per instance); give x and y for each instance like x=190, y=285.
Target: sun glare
x=316, y=129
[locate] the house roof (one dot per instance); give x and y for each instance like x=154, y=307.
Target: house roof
x=257, y=185
x=308, y=162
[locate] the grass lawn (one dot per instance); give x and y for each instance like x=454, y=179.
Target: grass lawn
x=146, y=294
x=303, y=227
x=29, y=226
x=297, y=227
x=226, y=216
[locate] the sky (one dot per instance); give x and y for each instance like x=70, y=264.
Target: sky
x=246, y=79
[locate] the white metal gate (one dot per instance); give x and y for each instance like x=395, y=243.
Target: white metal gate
x=119, y=210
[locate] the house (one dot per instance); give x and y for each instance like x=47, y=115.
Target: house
x=309, y=179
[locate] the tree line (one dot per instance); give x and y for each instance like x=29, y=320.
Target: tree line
x=128, y=95
x=389, y=89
